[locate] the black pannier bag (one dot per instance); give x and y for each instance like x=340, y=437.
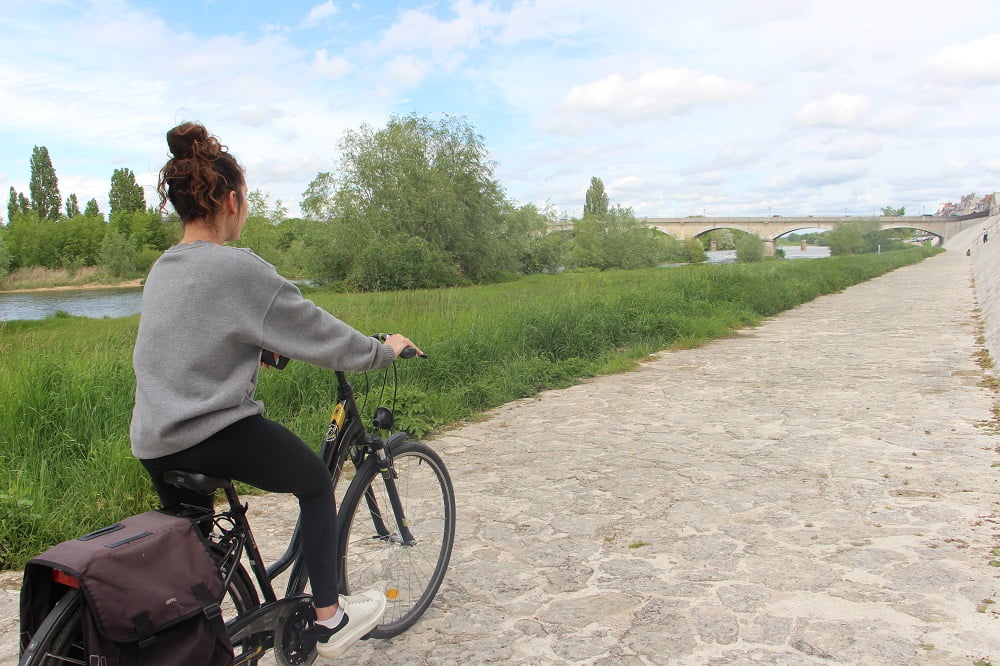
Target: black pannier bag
x=150, y=592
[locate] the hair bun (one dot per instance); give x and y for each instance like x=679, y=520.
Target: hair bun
x=192, y=140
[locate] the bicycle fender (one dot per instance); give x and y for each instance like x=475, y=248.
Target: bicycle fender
x=395, y=439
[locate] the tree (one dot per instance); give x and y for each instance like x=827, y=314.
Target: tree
x=856, y=237
x=597, y=200
x=260, y=232
x=143, y=228
x=416, y=178
x=44, y=186
x=538, y=249
x=889, y=211
x=5, y=258
x=724, y=239
x=12, y=207
x=694, y=251
x=618, y=239
x=317, y=200
x=72, y=206
x=92, y=210
x=118, y=254
x=749, y=248
x=126, y=195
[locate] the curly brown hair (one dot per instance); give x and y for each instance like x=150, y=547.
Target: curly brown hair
x=199, y=175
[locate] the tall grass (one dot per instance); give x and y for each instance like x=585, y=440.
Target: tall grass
x=67, y=385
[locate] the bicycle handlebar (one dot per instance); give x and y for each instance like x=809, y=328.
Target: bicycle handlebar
x=408, y=352
x=279, y=362
x=273, y=360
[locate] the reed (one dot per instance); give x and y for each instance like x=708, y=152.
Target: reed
x=36, y=277
x=67, y=383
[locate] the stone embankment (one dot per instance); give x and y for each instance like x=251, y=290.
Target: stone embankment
x=820, y=489
x=986, y=270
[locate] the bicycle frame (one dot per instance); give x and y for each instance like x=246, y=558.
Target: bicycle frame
x=262, y=621
x=344, y=431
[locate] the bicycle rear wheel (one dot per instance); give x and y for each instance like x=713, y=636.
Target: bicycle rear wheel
x=373, y=553
x=59, y=639
x=241, y=598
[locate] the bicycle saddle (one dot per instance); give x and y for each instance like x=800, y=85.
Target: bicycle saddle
x=199, y=483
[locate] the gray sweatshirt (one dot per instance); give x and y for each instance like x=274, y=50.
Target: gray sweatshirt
x=207, y=311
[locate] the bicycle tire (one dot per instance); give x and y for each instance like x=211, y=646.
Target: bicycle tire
x=409, y=574
x=241, y=597
x=59, y=639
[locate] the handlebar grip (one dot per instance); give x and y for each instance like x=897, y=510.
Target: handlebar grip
x=268, y=357
x=408, y=352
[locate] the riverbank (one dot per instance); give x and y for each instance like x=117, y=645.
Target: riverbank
x=125, y=284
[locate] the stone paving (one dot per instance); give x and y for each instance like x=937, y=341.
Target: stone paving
x=821, y=489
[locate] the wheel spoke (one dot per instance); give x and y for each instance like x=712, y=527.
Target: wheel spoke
x=408, y=573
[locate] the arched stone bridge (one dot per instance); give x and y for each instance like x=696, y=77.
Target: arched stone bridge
x=770, y=228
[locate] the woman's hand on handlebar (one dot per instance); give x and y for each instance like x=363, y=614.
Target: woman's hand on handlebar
x=401, y=342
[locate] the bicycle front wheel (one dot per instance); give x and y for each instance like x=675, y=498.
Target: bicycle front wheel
x=407, y=565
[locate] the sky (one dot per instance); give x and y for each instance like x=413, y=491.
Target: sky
x=715, y=107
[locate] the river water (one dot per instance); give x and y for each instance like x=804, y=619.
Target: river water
x=95, y=303
x=791, y=252
x=98, y=303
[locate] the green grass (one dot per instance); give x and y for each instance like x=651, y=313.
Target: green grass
x=67, y=383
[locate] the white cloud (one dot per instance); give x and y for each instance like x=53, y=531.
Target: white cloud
x=416, y=30
x=817, y=175
x=732, y=157
x=670, y=103
x=838, y=109
x=892, y=120
x=855, y=147
x=624, y=185
x=976, y=62
x=258, y=115
x=320, y=12
x=404, y=72
x=764, y=11
x=330, y=67
x=654, y=94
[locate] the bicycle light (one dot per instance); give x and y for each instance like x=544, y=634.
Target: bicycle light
x=384, y=418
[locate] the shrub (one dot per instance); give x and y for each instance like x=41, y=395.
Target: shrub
x=749, y=249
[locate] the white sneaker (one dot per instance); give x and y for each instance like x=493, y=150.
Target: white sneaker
x=363, y=612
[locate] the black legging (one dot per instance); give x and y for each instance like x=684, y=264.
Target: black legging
x=268, y=456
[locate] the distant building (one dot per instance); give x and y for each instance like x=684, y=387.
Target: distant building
x=970, y=204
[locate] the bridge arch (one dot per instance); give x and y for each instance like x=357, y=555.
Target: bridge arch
x=769, y=229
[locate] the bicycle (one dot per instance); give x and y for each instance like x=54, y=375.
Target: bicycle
x=396, y=528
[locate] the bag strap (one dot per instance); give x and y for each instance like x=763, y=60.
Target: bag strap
x=143, y=629
x=212, y=612
x=210, y=607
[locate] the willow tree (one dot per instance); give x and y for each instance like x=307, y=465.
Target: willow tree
x=420, y=188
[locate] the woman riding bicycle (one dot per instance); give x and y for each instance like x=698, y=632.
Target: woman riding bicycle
x=208, y=312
